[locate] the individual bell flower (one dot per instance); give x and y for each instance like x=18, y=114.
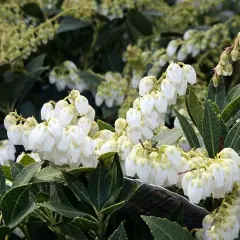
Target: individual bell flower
x=53, y=76
x=99, y=99
x=136, y=104
x=195, y=191
x=108, y=146
x=88, y=147
x=218, y=174
x=172, y=48
x=154, y=120
x=186, y=180
x=172, y=178
x=45, y=111
x=70, y=65
x=91, y=113
x=181, y=88
x=163, y=60
x=66, y=115
x=168, y=89
x=109, y=102
x=174, y=73
x=229, y=153
x=134, y=134
x=160, y=174
x=59, y=106
x=189, y=74
x=76, y=134
x=146, y=84
x=90, y=161
x=147, y=104
x=130, y=163
x=188, y=34
x=25, y=138
x=161, y=103
x=143, y=169
x=85, y=124
x=94, y=129
x=54, y=127
x=173, y=155
x=133, y=118
x=81, y=103
x=64, y=142
x=9, y=120
x=120, y=125
x=14, y=134
x=48, y=142
x=75, y=154
x=147, y=133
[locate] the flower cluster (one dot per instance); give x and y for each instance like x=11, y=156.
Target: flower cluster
x=67, y=75
x=149, y=109
x=224, y=222
x=63, y=137
x=7, y=152
x=111, y=91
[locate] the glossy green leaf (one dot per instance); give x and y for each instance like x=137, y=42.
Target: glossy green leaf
x=211, y=129
x=15, y=168
x=62, y=209
x=36, y=63
x=17, y=204
x=78, y=188
x=27, y=174
x=91, y=78
x=74, y=232
x=85, y=224
x=188, y=131
x=70, y=24
x=165, y=229
x=236, y=146
x=27, y=160
x=119, y=233
x=232, y=136
x=48, y=174
x=169, y=137
x=232, y=94
x=224, y=128
x=217, y=94
x=33, y=9
x=112, y=208
x=103, y=125
x=231, y=109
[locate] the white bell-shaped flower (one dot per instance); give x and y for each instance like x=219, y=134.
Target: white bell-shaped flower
x=195, y=191
x=48, y=142
x=54, y=127
x=218, y=174
x=14, y=134
x=153, y=120
x=75, y=154
x=109, y=146
x=161, y=174
x=85, y=124
x=109, y=102
x=189, y=74
x=146, y=104
x=81, y=104
x=143, y=169
x=120, y=125
x=146, y=131
x=173, y=156
x=168, y=89
x=172, y=48
x=90, y=161
x=91, y=113
x=9, y=120
x=182, y=54
x=174, y=73
x=88, y=147
x=99, y=99
x=45, y=111
x=59, y=106
x=66, y=115
x=133, y=118
x=181, y=88
x=163, y=60
x=25, y=139
x=76, y=134
x=186, y=180
x=172, y=177
x=94, y=129
x=53, y=77
x=130, y=166
x=64, y=142
x=134, y=134
x=161, y=103
x=146, y=84
x=229, y=153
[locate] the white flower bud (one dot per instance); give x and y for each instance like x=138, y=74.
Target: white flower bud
x=182, y=54
x=174, y=73
x=45, y=111
x=146, y=84
x=53, y=77
x=59, y=106
x=172, y=48
x=109, y=146
x=76, y=134
x=133, y=118
x=64, y=141
x=9, y=120
x=147, y=104
x=85, y=124
x=99, y=99
x=195, y=191
x=48, y=142
x=168, y=89
x=14, y=133
x=120, y=125
x=163, y=60
x=54, y=127
x=74, y=156
x=143, y=169
x=161, y=103
x=66, y=115
x=91, y=113
x=189, y=74
x=81, y=103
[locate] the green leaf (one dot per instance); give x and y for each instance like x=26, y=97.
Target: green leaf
x=4, y=230
x=231, y=109
x=15, y=168
x=188, y=131
x=7, y=172
x=232, y=94
x=224, y=128
x=78, y=188
x=33, y=9
x=194, y=108
x=26, y=174
x=112, y=208
x=119, y=233
x=36, y=63
x=78, y=171
x=48, y=174
x=211, y=129
x=103, y=125
x=2, y=183
x=232, y=136
x=70, y=24
x=27, y=160
x=85, y=224
x=17, y=204
x=62, y=209
x=236, y=146
x=165, y=229
x=217, y=94
x=91, y=78
x=140, y=22
x=169, y=137
x=74, y=232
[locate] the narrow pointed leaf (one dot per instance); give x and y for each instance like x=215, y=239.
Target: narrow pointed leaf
x=169, y=137
x=232, y=136
x=211, y=129
x=17, y=204
x=48, y=174
x=217, y=94
x=231, y=109
x=85, y=223
x=15, y=168
x=103, y=125
x=78, y=188
x=63, y=209
x=74, y=232
x=165, y=229
x=112, y=208
x=236, y=146
x=188, y=131
x=119, y=233
x=2, y=183
x=232, y=94
x=26, y=174
x=112, y=197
